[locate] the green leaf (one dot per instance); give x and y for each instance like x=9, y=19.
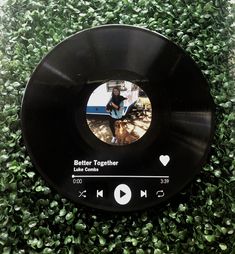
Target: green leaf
x=223, y=246
x=80, y=226
x=69, y=216
x=32, y=224
x=140, y=251
x=62, y=212
x=210, y=238
x=102, y=240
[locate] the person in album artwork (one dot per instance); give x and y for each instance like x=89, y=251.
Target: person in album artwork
x=115, y=107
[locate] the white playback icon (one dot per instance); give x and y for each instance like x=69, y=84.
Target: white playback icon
x=99, y=193
x=143, y=193
x=164, y=159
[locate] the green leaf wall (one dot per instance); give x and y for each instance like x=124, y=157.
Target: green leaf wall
x=33, y=217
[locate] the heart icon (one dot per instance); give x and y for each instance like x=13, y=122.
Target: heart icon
x=164, y=159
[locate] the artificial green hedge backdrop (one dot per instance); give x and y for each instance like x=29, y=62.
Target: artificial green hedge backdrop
x=33, y=217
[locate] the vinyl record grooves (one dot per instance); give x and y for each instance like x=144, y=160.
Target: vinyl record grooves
x=166, y=126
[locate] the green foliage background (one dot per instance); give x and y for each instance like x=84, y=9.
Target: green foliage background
x=33, y=217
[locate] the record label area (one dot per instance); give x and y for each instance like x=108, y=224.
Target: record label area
x=117, y=118
x=118, y=112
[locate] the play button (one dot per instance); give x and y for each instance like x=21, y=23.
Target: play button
x=122, y=194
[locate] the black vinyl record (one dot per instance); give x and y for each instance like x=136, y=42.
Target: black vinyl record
x=126, y=173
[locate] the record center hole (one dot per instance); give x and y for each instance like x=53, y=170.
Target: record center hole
x=118, y=112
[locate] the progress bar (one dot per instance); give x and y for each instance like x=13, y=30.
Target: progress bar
x=126, y=176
